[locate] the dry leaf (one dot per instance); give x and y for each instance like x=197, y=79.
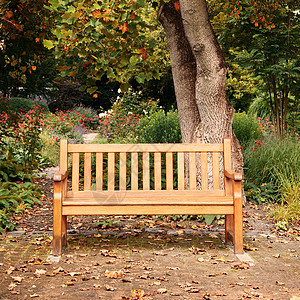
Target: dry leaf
x=58, y=270
x=109, y=287
x=17, y=279
x=113, y=274
x=40, y=271
x=242, y=266
x=277, y=255
x=161, y=291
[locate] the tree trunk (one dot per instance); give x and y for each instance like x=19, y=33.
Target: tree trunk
x=199, y=73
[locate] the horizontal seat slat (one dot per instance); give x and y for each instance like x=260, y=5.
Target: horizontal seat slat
x=81, y=210
x=94, y=148
x=149, y=193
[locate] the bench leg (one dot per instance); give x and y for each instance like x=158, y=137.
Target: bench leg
x=57, y=234
x=229, y=225
x=64, y=230
x=57, y=220
x=238, y=218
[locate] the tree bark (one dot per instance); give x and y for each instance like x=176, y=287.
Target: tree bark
x=199, y=73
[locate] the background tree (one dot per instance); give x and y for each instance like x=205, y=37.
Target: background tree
x=25, y=62
x=262, y=37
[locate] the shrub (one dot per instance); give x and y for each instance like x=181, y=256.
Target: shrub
x=289, y=209
x=246, y=129
x=14, y=199
x=160, y=127
x=88, y=115
x=273, y=159
x=21, y=104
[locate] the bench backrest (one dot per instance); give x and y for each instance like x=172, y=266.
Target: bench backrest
x=146, y=166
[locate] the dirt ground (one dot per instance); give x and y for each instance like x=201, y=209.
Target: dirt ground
x=147, y=258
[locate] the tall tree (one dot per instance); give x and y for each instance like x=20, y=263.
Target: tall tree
x=121, y=31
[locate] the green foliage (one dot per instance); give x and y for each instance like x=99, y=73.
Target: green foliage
x=289, y=209
x=119, y=40
x=246, y=129
x=265, y=162
x=267, y=192
x=89, y=116
x=160, y=127
x=14, y=199
x=25, y=105
x=260, y=107
x=24, y=60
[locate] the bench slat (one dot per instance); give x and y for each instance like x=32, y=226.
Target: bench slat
x=204, y=171
x=75, y=172
x=180, y=166
x=111, y=171
x=99, y=171
x=134, y=171
x=152, y=193
x=157, y=171
x=145, y=147
x=169, y=171
x=122, y=171
x=146, y=171
x=192, y=170
x=216, y=171
x=147, y=210
x=87, y=171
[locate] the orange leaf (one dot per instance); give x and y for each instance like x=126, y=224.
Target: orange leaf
x=95, y=96
x=123, y=27
x=177, y=5
x=33, y=68
x=96, y=13
x=9, y=14
x=256, y=24
x=272, y=26
x=37, y=40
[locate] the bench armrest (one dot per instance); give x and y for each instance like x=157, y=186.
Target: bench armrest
x=233, y=175
x=60, y=176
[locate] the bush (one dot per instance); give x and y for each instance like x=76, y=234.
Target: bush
x=289, y=209
x=88, y=115
x=14, y=199
x=21, y=104
x=272, y=160
x=160, y=127
x=246, y=129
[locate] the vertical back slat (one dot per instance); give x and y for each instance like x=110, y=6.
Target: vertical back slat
x=204, y=171
x=180, y=163
x=216, y=171
x=99, y=171
x=111, y=171
x=169, y=171
x=122, y=173
x=87, y=171
x=227, y=164
x=134, y=171
x=75, y=172
x=63, y=155
x=146, y=171
x=192, y=170
x=157, y=171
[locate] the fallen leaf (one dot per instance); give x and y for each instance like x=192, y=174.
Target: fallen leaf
x=113, y=274
x=58, y=270
x=34, y=296
x=10, y=270
x=161, y=291
x=277, y=255
x=40, y=271
x=11, y=286
x=280, y=283
x=109, y=287
x=242, y=266
x=17, y=279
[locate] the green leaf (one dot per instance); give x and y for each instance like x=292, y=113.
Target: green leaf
x=133, y=60
x=48, y=44
x=92, y=89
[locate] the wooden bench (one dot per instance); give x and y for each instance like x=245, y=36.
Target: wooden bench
x=147, y=179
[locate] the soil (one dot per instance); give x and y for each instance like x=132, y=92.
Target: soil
x=147, y=258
